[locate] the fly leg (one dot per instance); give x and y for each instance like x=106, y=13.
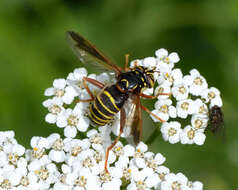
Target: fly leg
x=148, y=111
x=122, y=124
x=154, y=97
x=95, y=83
x=127, y=62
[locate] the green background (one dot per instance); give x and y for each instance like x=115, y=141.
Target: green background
x=34, y=51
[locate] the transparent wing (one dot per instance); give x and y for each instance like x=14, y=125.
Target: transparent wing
x=89, y=54
x=133, y=124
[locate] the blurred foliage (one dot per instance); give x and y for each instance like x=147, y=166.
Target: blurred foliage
x=34, y=51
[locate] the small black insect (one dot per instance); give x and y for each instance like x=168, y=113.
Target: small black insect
x=216, y=119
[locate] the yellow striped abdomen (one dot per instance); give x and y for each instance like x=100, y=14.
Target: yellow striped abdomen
x=106, y=105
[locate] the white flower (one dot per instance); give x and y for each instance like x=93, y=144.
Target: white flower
x=154, y=161
x=82, y=179
x=55, y=107
x=199, y=122
x=77, y=77
x=197, y=185
x=149, y=62
x=164, y=110
x=196, y=82
x=200, y=107
x=124, y=154
x=74, y=146
x=57, y=153
x=45, y=174
x=75, y=80
x=185, y=108
x=174, y=181
x=144, y=184
x=83, y=166
x=60, y=90
x=72, y=120
x=6, y=135
x=163, y=88
x=28, y=181
x=143, y=179
x=171, y=131
x=162, y=171
x=212, y=95
x=78, y=164
x=180, y=91
x=165, y=57
x=96, y=140
x=57, y=89
x=190, y=136
x=11, y=154
x=174, y=76
x=111, y=179
x=141, y=148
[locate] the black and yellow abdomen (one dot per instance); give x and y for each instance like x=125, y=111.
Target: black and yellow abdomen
x=106, y=105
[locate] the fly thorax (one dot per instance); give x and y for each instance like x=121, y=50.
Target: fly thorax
x=128, y=82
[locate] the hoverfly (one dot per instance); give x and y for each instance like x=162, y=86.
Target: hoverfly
x=128, y=88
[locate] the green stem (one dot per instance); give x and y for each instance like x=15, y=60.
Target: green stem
x=152, y=137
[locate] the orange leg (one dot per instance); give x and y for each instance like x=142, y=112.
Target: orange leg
x=94, y=82
x=148, y=111
x=127, y=61
x=153, y=97
x=122, y=124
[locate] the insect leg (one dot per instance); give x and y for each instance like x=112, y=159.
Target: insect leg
x=127, y=61
x=94, y=82
x=153, y=97
x=122, y=124
x=148, y=111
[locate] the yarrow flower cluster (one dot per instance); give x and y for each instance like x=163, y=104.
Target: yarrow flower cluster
x=55, y=163
x=73, y=163
x=190, y=99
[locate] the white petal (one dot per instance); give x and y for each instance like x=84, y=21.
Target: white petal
x=59, y=83
x=160, y=159
x=173, y=57
x=15, y=178
x=160, y=53
x=172, y=112
x=83, y=124
x=57, y=156
x=199, y=138
x=18, y=149
x=49, y=92
x=50, y=118
x=70, y=132
x=80, y=73
x=62, y=121
x=152, y=181
x=129, y=150
x=140, y=162
x=149, y=62
x=197, y=185
x=65, y=168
